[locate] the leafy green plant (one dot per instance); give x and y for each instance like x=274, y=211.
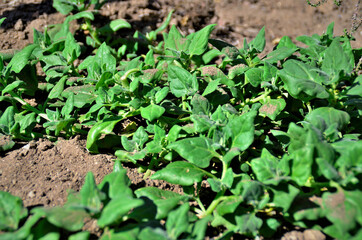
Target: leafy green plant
x=336, y=2
x=272, y=140
x=67, y=6
x=112, y=203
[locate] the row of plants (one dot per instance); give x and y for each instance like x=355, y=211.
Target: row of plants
x=257, y=143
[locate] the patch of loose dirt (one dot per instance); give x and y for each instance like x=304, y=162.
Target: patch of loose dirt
x=235, y=19
x=283, y=18
x=41, y=171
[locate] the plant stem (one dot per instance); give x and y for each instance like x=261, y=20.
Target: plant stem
x=219, y=197
x=200, y=204
x=92, y=32
x=129, y=72
x=261, y=97
x=225, y=167
x=184, y=107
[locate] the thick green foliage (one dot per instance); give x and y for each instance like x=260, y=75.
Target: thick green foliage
x=278, y=139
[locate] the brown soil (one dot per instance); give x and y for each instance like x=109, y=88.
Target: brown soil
x=41, y=172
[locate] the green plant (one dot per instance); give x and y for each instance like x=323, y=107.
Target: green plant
x=336, y=2
x=67, y=6
x=273, y=140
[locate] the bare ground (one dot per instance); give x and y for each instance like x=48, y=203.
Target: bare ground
x=41, y=172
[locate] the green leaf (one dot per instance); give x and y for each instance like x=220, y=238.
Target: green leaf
x=350, y=153
x=252, y=192
x=254, y=76
x=63, y=6
x=149, y=233
x=58, y=89
x=12, y=86
x=233, y=152
x=249, y=223
x=280, y=54
x=199, y=228
x=285, y=41
x=68, y=107
x=11, y=211
x=302, y=81
x=202, y=123
x=27, y=122
x=60, y=34
x=21, y=59
x=119, y=24
x=45, y=230
x=117, y=208
x=69, y=219
x=343, y=210
x=241, y=130
x=211, y=87
x=237, y=70
x=80, y=236
x=90, y=196
x=272, y=107
x=216, y=184
x=104, y=127
x=7, y=120
x=284, y=195
x=197, y=150
x=229, y=50
x=6, y=143
x=324, y=117
x=102, y=62
x=140, y=137
x=302, y=165
x=164, y=200
x=214, y=73
x=270, y=73
x=182, y=173
x=151, y=75
x=336, y=61
x=25, y=230
x=128, y=145
x=258, y=42
x=131, y=156
x=2, y=20
x=200, y=105
x=162, y=94
x=116, y=184
x=173, y=134
x=209, y=55
x=182, y=82
x=175, y=41
x=152, y=112
x=178, y=221
x=229, y=205
x=307, y=147
x=356, y=88
x=266, y=167
x=269, y=228
x=71, y=48
x=199, y=40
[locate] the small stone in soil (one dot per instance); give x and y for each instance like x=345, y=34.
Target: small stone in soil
x=19, y=26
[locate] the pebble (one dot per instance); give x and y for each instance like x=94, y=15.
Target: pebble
x=19, y=26
x=31, y=194
x=312, y=234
